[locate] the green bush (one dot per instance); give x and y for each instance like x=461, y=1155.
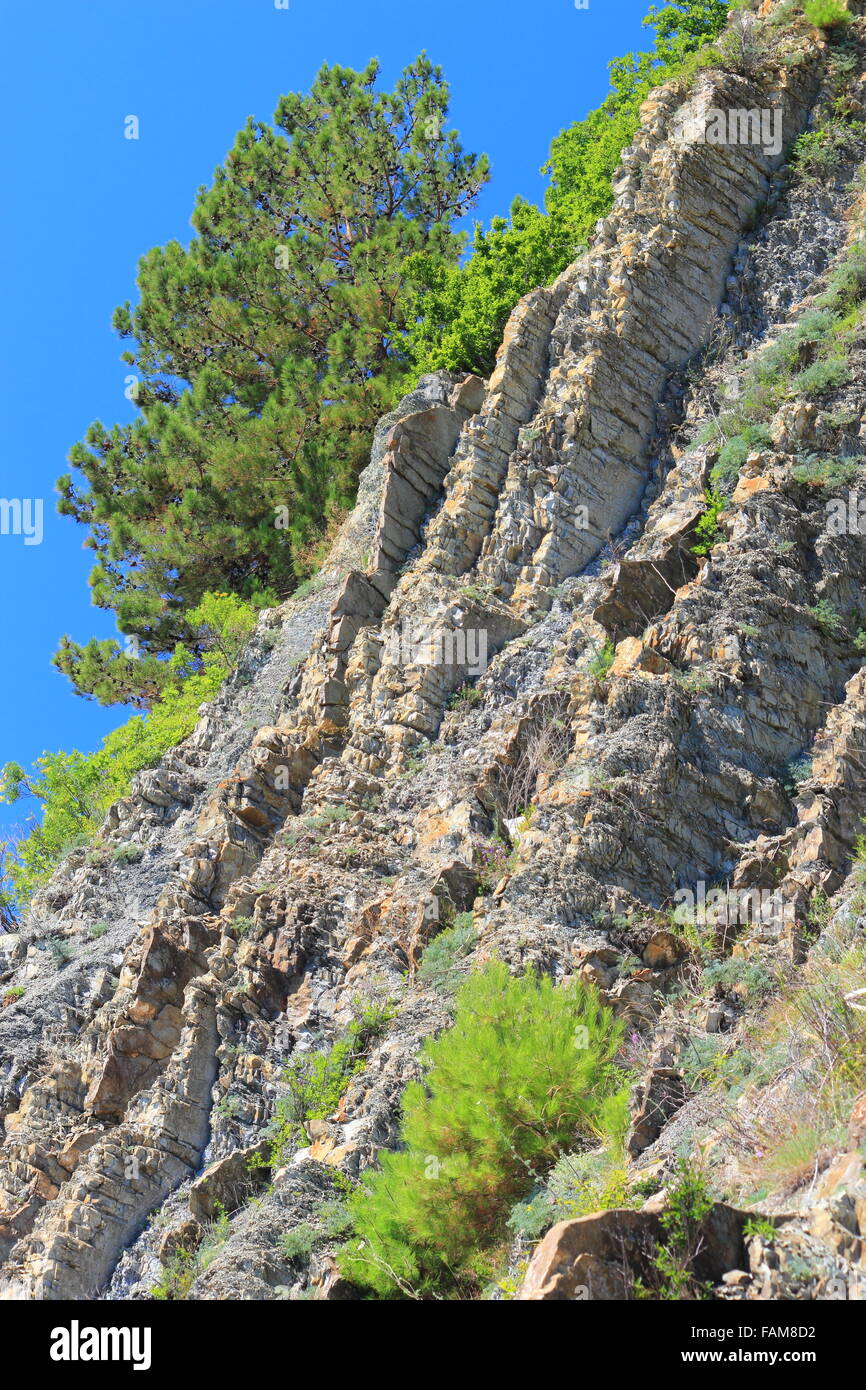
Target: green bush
x=442, y=957
x=817, y=154
x=846, y=285
x=466, y=697
x=826, y=14
x=602, y=661
x=526, y=1069
x=735, y=973
x=795, y=771
x=827, y=472
x=316, y=1081
x=821, y=378
x=828, y=618
x=736, y=450
x=708, y=532
x=460, y=311
x=76, y=789
x=298, y=1242
x=689, y=1204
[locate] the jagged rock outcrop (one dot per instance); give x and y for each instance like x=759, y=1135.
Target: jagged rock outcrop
x=342, y=798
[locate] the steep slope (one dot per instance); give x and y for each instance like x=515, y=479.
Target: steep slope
x=344, y=797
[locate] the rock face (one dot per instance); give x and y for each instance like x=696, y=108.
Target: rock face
x=339, y=801
x=601, y=1256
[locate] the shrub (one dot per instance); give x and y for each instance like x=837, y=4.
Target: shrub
x=442, y=957
x=795, y=771
x=525, y=1069
x=826, y=14
x=241, y=925
x=184, y=1266
x=827, y=472
x=828, y=618
x=708, y=531
x=821, y=378
x=460, y=311
x=846, y=285
x=316, y=1081
x=736, y=450
x=689, y=1203
x=76, y=789
x=61, y=952
x=818, y=153
x=298, y=1242
x=128, y=853
x=467, y=697
x=602, y=661
x=490, y=857
x=329, y=815
x=735, y=973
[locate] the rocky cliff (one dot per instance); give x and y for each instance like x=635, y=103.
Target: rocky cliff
x=364, y=767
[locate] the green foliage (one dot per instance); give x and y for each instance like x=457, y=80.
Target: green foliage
x=602, y=661
x=815, y=471
x=184, y=1266
x=333, y=1221
x=759, y=1226
x=329, y=815
x=298, y=1242
x=439, y=964
x=526, y=1068
x=241, y=925
x=819, y=915
x=828, y=618
x=264, y=353
x=826, y=14
x=708, y=531
x=736, y=450
x=818, y=154
x=177, y=1278
x=127, y=854
x=490, y=857
x=689, y=1202
x=467, y=697
x=462, y=310
x=846, y=285
x=316, y=1081
x=60, y=951
x=824, y=332
x=735, y=974
x=821, y=377
x=795, y=771
x=76, y=789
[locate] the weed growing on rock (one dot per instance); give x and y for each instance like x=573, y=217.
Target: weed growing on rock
x=441, y=960
x=316, y=1081
x=708, y=532
x=826, y=14
x=689, y=1202
x=602, y=661
x=828, y=618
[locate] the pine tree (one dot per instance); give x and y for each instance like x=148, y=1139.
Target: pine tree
x=264, y=353
x=526, y=1069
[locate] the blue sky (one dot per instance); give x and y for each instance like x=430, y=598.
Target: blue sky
x=81, y=204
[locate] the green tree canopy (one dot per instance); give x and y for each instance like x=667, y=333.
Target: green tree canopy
x=264, y=352
x=461, y=310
